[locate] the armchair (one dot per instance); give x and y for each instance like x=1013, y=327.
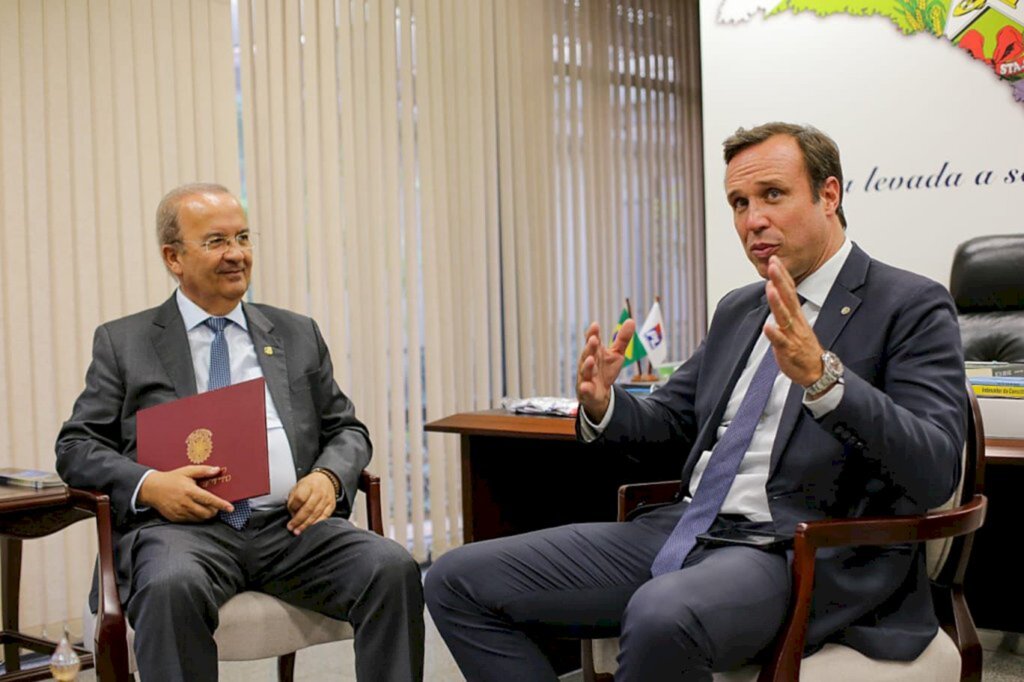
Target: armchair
x=954, y=654
x=987, y=283
x=253, y=625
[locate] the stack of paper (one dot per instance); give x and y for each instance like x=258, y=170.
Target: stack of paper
x=556, y=407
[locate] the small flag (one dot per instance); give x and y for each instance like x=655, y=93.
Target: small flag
x=634, y=351
x=652, y=336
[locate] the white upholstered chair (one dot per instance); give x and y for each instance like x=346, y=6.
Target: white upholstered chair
x=252, y=625
x=955, y=653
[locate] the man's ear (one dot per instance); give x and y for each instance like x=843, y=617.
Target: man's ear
x=172, y=259
x=830, y=194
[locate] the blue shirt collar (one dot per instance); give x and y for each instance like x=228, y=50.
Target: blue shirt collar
x=194, y=316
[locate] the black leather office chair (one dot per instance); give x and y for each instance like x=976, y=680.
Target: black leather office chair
x=987, y=283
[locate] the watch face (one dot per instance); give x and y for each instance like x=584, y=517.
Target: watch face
x=832, y=363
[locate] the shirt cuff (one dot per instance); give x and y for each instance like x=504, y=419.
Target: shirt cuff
x=591, y=431
x=826, y=403
x=135, y=495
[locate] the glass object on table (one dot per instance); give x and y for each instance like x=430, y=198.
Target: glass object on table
x=64, y=663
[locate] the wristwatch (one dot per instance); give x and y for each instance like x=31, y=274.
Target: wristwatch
x=832, y=373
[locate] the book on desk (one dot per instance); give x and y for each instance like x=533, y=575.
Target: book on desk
x=975, y=368
x=29, y=478
x=998, y=387
x=640, y=388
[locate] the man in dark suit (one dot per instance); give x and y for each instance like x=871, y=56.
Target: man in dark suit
x=832, y=389
x=181, y=552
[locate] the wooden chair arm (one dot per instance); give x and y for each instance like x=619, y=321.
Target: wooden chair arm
x=111, y=640
x=891, y=530
x=635, y=495
x=810, y=536
x=370, y=485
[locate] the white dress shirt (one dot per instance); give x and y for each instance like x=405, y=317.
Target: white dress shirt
x=748, y=495
x=244, y=367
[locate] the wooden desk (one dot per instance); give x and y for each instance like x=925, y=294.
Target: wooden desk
x=993, y=581
x=523, y=473
x=1004, y=451
x=24, y=514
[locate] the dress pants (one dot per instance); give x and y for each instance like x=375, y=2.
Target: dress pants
x=723, y=608
x=182, y=573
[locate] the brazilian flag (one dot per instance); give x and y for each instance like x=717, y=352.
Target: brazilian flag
x=634, y=351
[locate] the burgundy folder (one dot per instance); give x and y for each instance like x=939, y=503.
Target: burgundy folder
x=226, y=427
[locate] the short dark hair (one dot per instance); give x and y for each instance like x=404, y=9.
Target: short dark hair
x=167, y=229
x=820, y=152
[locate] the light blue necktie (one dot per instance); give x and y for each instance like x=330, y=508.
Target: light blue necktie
x=721, y=470
x=220, y=376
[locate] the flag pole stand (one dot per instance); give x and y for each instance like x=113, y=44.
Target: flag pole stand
x=640, y=376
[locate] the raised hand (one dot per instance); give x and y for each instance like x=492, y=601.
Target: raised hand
x=598, y=368
x=177, y=496
x=796, y=347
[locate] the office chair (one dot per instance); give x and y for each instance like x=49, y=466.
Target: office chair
x=987, y=283
x=955, y=652
x=253, y=625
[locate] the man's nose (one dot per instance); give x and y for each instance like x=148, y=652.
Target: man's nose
x=755, y=219
x=234, y=251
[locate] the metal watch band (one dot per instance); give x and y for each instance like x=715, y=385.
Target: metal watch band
x=828, y=376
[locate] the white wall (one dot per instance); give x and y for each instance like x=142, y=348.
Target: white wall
x=905, y=104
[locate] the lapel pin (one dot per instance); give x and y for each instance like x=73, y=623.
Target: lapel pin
x=844, y=311
x=267, y=350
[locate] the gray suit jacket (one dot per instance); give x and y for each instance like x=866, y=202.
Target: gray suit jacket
x=892, y=446
x=144, y=360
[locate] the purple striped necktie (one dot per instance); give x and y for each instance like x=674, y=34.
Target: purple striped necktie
x=720, y=472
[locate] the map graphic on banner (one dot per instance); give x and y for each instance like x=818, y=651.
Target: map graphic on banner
x=991, y=31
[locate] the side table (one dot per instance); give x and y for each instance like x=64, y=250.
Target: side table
x=26, y=514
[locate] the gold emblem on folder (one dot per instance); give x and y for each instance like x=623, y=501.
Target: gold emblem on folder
x=267, y=350
x=200, y=445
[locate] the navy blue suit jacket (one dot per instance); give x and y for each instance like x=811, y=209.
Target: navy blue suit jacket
x=892, y=446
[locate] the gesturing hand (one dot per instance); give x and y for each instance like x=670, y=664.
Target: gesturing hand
x=598, y=368
x=177, y=496
x=311, y=500
x=797, y=350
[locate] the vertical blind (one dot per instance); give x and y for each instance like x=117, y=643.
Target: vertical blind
x=601, y=183
x=367, y=174
x=104, y=105
x=453, y=189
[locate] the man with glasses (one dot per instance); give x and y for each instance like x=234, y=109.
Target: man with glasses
x=181, y=551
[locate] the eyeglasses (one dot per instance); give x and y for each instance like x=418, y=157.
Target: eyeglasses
x=220, y=244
